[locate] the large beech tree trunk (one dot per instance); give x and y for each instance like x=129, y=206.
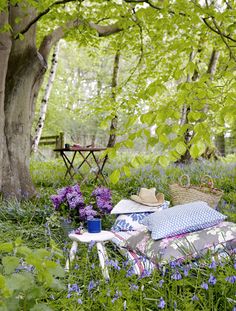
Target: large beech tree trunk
x=25, y=68
x=22, y=70
x=5, y=48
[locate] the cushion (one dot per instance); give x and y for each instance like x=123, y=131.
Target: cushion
x=136, y=263
x=181, y=219
x=129, y=206
x=216, y=239
x=130, y=222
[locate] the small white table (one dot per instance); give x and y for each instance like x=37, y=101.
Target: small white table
x=86, y=237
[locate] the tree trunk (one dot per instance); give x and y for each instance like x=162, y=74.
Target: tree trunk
x=44, y=103
x=114, y=121
x=22, y=71
x=185, y=111
x=220, y=144
x=5, y=48
x=25, y=69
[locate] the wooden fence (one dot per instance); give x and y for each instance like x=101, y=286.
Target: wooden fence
x=56, y=140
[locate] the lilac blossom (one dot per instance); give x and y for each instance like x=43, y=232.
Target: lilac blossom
x=103, y=199
x=87, y=213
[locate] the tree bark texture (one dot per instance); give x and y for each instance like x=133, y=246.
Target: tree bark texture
x=44, y=103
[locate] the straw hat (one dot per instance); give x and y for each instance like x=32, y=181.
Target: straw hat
x=148, y=197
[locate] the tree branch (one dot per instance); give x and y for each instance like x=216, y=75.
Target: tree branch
x=41, y=14
x=204, y=19
x=106, y=30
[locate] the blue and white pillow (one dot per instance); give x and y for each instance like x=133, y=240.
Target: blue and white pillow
x=130, y=222
x=182, y=219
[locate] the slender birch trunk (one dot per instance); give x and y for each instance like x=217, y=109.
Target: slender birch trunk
x=114, y=83
x=44, y=102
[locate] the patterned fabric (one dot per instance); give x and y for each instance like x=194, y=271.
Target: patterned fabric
x=216, y=239
x=182, y=219
x=139, y=263
x=129, y=222
x=129, y=206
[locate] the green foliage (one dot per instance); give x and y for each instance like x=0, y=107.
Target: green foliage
x=27, y=276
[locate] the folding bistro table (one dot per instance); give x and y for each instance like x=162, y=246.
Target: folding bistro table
x=88, y=156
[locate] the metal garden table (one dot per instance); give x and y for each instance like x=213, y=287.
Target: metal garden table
x=88, y=156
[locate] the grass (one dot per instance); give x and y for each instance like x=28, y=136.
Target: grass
x=33, y=242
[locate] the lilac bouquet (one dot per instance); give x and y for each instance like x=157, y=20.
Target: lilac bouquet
x=70, y=203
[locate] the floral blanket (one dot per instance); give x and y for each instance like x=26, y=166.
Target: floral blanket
x=221, y=237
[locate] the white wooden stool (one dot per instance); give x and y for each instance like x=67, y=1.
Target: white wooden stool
x=99, y=239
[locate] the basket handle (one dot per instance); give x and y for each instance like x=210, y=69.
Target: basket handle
x=184, y=176
x=207, y=181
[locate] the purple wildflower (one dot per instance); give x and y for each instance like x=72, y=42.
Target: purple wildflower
x=212, y=280
x=130, y=272
x=161, y=304
x=91, y=285
x=231, y=279
x=235, y=265
x=114, y=264
x=212, y=265
x=204, y=286
x=161, y=282
x=195, y=298
x=117, y=295
x=80, y=302
x=176, y=276
x=145, y=274
x=134, y=287
x=91, y=245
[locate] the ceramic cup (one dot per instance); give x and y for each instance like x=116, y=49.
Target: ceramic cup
x=94, y=225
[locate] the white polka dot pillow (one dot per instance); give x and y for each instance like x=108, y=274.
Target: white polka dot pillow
x=182, y=219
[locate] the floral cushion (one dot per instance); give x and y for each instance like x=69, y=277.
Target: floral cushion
x=182, y=219
x=218, y=238
x=129, y=222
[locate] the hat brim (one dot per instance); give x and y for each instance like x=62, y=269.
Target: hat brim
x=137, y=199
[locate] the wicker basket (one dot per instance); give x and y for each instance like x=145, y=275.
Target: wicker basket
x=185, y=193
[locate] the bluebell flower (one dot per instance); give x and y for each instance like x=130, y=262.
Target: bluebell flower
x=204, y=286
x=176, y=276
x=130, y=272
x=161, y=282
x=145, y=273
x=133, y=287
x=212, y=265
x=80, y=302
x=117, y=295
x=195, y=298
x=161, y=304
x=212, y=280
x=91, y=285
x=231, y=279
